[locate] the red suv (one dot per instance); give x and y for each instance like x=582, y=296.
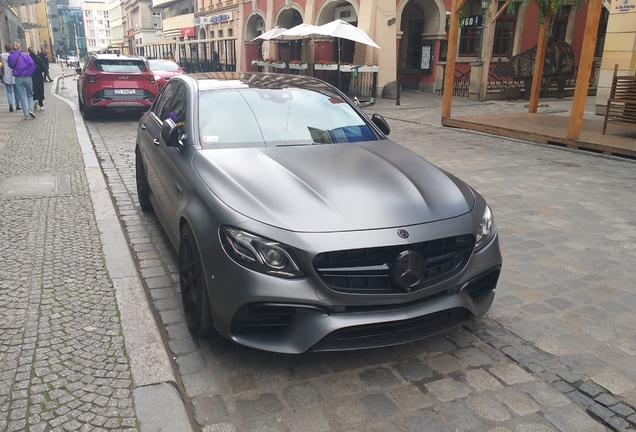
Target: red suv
x=113, y=81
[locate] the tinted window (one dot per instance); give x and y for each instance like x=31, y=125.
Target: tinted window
x=163, y=65
x=161, y=108
x=272, y=117
x=125, y=66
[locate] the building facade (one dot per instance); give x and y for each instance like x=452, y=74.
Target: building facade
x=412, y=35
x=96, y=26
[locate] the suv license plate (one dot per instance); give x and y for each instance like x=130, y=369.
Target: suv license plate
x=124, y=91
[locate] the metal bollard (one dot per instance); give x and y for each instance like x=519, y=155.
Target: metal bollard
x=399, y=88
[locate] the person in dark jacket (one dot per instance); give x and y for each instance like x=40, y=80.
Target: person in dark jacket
x=38, y=80
x=44, y=56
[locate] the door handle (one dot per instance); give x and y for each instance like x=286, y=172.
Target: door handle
x=178, y=189
x=156, y=142
x=143, y=126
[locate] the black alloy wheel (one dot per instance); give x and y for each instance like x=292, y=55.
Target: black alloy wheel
x=194, y=294
x=143, y=188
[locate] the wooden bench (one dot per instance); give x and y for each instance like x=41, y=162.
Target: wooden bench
x=621, y=105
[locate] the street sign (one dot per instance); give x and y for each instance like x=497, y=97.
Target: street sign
x=473, y=21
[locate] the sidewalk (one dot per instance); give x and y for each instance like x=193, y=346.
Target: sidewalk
x=79, y=346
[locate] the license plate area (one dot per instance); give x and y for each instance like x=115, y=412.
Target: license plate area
x=124, y=91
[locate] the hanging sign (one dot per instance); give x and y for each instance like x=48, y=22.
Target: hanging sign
x=473, y=21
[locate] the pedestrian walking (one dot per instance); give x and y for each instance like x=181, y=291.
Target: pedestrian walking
x=23, y=67
x=38, y=80
x=44, y=56
x=9, y=79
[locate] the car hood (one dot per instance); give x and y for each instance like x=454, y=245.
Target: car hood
x=167, y=74
x=326, y=188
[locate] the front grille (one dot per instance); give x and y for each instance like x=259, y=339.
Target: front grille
x=393, y=333
x=368, y=271
x=262, y=319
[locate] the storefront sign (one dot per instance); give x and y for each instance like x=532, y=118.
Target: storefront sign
x=426, y=63
x=204, y=20
x=625, y=6
x=443, y=50
x=188, y=31
x=473, y=21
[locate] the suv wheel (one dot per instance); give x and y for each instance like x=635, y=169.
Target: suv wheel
x=89, y=113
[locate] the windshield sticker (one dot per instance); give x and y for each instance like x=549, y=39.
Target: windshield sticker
x=210, y=138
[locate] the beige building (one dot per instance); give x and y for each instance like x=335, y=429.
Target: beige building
x=619, y=49
x=44, y=31
x=117, y=38
x=96, y=25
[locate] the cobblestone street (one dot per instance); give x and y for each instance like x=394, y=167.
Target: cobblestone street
x=556, y=352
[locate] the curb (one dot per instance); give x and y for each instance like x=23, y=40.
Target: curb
x=158, y=404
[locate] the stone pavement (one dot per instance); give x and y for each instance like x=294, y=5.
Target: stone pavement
x=79, y=348
x=555, y=353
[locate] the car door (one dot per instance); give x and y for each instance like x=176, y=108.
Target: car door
x=174, y=161
x=152, y=148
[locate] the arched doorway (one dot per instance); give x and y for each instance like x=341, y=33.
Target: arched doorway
x=289, y=49
x=421, y=28
x=255, y=25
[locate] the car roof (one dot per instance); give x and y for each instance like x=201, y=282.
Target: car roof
x=116, y=57
x=228, y=80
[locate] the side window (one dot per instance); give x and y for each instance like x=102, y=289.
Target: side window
x=161, y=109
x=178, y=105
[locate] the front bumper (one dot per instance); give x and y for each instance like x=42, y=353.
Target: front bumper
x=298, y=315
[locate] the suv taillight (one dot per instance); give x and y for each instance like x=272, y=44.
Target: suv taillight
x=91, y=78
x=152, y=80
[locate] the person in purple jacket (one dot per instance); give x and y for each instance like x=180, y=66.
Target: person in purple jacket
x=23, y=68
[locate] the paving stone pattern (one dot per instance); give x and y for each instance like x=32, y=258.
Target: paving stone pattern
x=556, y=352
x=62, y=361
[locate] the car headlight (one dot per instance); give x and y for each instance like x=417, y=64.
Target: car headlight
x=486, y=230
x=260, y=254
x=157, y=77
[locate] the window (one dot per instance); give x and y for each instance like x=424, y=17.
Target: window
x=100, y=23
x=89, y=23
x=156, y=20
x=602, y=29
x=91, y=33
x=414, y=44
x=504, y=31
x=559, y=25
x=102, y=33
x=102, y=42
x=230, y=32
x=105, y=14
x=220, y=33
x=161, y=106
x=100, y=13
x=88, y=13
x=107, y=33
x=127, y=66
x=91, y=42
x=470, y=37
x=281, y=116
x=107, y=24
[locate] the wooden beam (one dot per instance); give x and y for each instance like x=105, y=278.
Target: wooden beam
x=585, y=68
x=539, y=62
x=449, y=74
x=500, y=11
x=486, y=49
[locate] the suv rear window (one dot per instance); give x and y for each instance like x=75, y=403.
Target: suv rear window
x=127, y=66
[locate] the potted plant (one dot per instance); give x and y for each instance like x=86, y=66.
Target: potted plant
x=326, y=65
x=368, y=68
x=345, y=68
x=262, y=62
x=297, y=64
x=277, y=64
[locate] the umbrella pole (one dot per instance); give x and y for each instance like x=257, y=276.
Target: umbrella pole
x=339, y=73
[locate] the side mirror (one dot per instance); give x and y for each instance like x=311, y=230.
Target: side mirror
x=169, y=133
x=379, y=121
x=78, y=71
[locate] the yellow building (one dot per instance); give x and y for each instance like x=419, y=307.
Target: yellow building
x=44, y=28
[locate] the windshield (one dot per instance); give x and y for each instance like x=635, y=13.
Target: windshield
x=126, y=66
x=163, y=65
x=275, y=117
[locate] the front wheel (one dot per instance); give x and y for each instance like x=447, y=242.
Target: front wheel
x=89, y=113
x=194, y=294
x=143, y=188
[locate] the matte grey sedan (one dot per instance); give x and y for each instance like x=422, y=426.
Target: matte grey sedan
x=300, y=226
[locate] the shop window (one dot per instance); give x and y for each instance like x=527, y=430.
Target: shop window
x=504, y=31
x=470, y=36
x=156, y=20
x=414, y=44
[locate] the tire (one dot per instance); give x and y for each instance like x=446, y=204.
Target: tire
x=143, y=188
x=194, y=293
x=80, y=104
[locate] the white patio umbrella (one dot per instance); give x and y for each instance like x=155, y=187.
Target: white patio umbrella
x=270, y=34
x=344, y=30
x=300, y=31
